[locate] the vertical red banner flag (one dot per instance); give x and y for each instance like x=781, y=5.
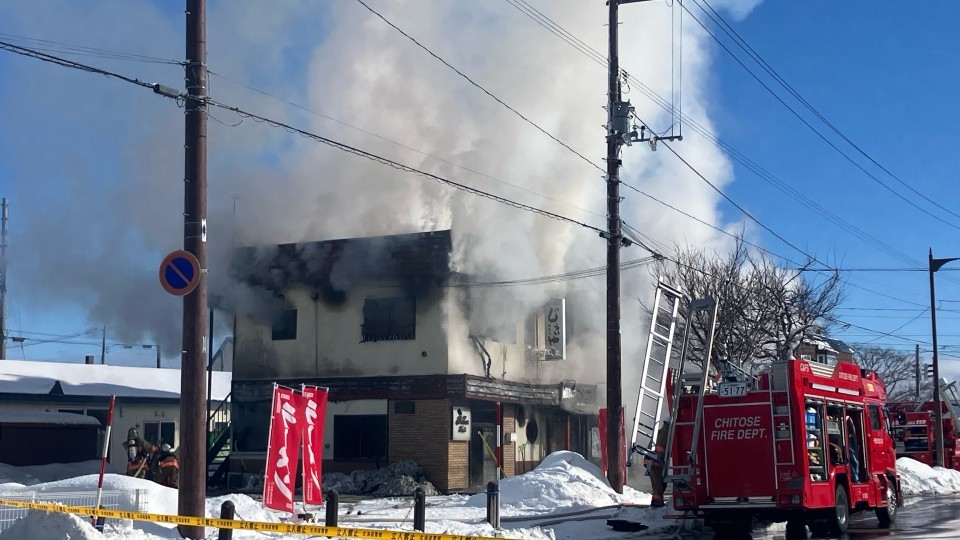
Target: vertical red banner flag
x=314, y=413
x=283, y=449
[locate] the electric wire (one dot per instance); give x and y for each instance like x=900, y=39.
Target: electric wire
x=399, y=166
x=816, y=131
x=745, y=46
x=75, y=65
x=47, y=45
x=400, y=144
x=556, y=278
x=734, y=154
x=478, y=86
x=317, y=138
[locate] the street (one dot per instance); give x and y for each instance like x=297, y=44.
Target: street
x=920, y=518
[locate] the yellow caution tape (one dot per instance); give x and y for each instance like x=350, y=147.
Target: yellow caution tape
x=318, y=530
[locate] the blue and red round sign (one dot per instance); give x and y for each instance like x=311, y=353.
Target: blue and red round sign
x=180, y=273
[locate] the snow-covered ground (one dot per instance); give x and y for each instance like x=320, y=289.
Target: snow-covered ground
x=566, y=497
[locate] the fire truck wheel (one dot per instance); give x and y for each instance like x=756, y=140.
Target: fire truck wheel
x=841, y=511
x=796, y=529
x=886, y=515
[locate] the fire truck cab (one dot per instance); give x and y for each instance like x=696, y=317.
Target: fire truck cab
x=805, y=442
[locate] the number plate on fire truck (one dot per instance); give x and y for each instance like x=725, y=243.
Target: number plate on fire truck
x=732, y=389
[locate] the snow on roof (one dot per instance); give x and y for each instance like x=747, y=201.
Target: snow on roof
x=58, y=418
x=30, y=377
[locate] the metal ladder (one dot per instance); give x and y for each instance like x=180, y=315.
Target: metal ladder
x=683, y=474
x=653, y=378
x=949, y=395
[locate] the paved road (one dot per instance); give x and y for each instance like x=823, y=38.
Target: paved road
x=921, y=518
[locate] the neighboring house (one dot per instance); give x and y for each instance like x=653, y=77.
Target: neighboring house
x=147, y=398
x=382, y=324
x=824, y=350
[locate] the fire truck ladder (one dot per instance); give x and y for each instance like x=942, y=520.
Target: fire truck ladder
x=653, y=381
x=683, y=474
x=949, y=395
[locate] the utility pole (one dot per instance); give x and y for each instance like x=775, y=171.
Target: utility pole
x=934, y=265
x=3, y=283
x=158, y=356
x=917, y=362
x=193, y=406
x=103, y=346
x=615, y=442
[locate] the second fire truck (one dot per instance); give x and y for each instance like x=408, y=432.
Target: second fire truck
x=804, y=442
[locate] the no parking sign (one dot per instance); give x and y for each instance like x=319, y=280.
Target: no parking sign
x=180, y=273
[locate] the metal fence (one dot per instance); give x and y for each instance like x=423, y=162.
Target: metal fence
x=134, y=500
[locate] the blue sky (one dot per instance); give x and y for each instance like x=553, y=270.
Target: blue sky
x=91, y=165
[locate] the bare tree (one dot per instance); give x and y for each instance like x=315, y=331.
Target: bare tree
x=764, y=311
x=896, y=369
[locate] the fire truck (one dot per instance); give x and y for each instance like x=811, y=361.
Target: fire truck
x=913, y=433
x=804, y=442
x=913, y=428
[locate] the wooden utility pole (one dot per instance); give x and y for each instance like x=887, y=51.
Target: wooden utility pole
x=615, y=442
x=193, y=406
x=3, y=283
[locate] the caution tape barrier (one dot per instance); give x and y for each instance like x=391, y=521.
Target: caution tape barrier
x=319, y=530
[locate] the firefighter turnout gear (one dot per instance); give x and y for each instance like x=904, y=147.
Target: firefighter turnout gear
x=654, y=467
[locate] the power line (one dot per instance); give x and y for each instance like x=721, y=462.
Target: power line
x=730, y=31
x=481, y=88
x=811, y=127
x=82, y=50
x=399, y=166
x=734, y=154
x=166, y=92
x=400, y=144
x=555, y=278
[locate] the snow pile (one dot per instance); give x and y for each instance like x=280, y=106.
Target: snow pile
x=563, y=480
x=245, y=508
x=920, y=479
x=36, y=474
x=396, y=480
x=155, y=498
x=51, y=525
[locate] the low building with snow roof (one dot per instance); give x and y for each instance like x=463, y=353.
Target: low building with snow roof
x=34, y=394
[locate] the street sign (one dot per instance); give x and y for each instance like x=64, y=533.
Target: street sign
x=180, y=273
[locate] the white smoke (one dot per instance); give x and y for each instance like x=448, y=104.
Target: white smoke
x=99, y=188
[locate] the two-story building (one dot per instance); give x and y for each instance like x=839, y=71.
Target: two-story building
x=825, y=350
x=384, y=324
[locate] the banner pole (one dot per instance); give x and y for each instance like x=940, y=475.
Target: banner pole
x=103, y=457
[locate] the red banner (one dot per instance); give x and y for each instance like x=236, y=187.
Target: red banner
x=283, y=450
x=314, y=413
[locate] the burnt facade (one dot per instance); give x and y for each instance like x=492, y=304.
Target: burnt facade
x=380, y=322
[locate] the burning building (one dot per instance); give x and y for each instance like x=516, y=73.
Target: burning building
x=385, y=324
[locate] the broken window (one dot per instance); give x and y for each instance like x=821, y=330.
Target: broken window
x=285, y=325
x=362, y=436
x=389, y=319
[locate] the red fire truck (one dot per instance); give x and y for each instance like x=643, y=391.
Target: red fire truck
x=806, y=443
x=913, y=433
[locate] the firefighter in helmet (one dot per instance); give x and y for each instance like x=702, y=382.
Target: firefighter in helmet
x=139, y=454
x=654, y=467
x=167, y=471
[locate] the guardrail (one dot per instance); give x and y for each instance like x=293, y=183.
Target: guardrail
x=121, y=499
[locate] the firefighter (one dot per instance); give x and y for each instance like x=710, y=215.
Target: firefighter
x=852, y=450
x=139, y=454
x=655, y=466
x=167, y=467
